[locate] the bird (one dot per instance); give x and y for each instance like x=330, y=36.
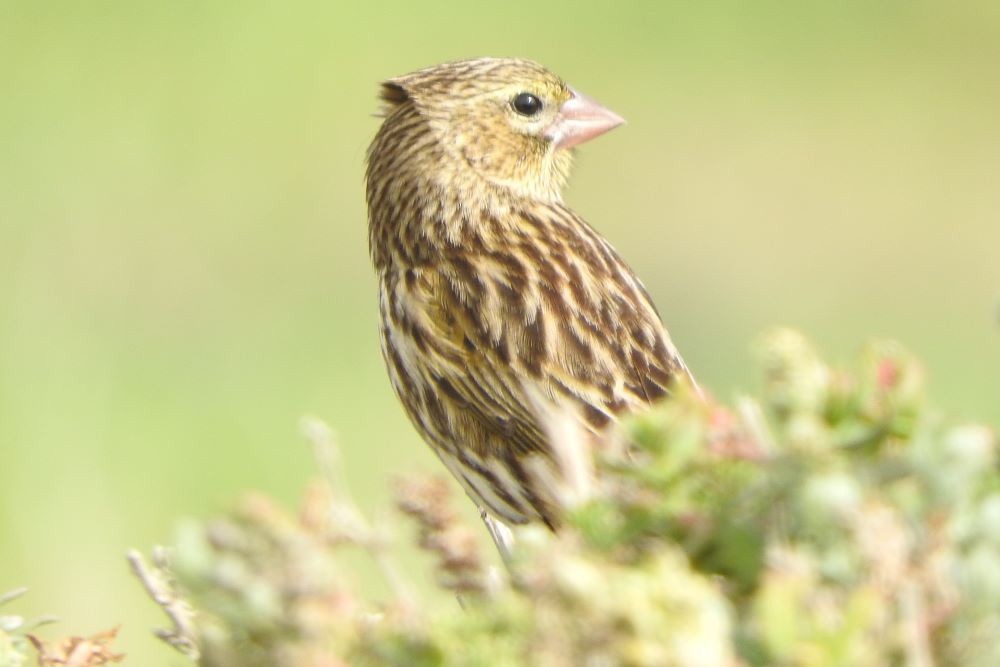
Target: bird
x=494, y=295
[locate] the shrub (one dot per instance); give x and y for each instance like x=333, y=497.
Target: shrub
x=836, y=520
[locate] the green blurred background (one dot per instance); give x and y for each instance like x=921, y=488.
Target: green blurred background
x=183, y=258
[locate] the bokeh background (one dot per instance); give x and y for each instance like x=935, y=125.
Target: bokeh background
x=183, y=258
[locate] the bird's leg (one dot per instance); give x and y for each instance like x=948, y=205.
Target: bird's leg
x=500, y=533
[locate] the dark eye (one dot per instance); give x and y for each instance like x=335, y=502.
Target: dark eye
x=526, y=104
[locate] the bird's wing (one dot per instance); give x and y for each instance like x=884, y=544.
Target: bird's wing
x=483, y=333
x=554, y=313
x=604, y=345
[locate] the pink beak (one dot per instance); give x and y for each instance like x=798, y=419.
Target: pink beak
x=581, y=119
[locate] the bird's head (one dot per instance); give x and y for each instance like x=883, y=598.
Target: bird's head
x=508, y=121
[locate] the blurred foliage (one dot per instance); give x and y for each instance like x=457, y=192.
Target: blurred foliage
x=836, y=521
x=13, y=638
x=183, y=260
x=20, y=648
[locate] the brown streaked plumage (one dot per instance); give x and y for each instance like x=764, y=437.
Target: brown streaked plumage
x=492, y=292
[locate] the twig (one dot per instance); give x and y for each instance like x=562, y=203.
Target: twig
x=327, y=456
x=918, y=649
x=182, y=636
x=13, y=594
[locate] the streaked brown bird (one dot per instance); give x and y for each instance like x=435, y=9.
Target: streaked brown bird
x=494, y=294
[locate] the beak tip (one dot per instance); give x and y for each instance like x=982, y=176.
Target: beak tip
x=582, y=119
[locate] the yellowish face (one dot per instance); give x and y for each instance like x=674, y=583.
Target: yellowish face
x=493, y=115
x=529, y=107
x=501, y=132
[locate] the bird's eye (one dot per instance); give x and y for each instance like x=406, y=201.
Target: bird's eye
x=526, y=104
